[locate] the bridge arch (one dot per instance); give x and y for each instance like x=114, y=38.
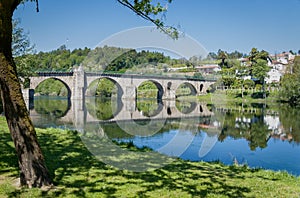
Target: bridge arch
x=38, y=82
x=191, y=87
x=119, y=90
x=160, y=89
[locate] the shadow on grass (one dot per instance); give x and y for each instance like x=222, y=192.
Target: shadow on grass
x=77, y=173
x=8, y=158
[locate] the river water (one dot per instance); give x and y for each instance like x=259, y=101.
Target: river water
x=258, y=135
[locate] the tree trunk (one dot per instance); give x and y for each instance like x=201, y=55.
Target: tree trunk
x=33, y=172
x=264, y=89
x=243, y=89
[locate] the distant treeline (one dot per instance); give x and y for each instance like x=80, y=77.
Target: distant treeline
x=99, y=59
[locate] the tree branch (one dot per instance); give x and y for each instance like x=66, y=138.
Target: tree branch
x=37, y=5
x=170, y=31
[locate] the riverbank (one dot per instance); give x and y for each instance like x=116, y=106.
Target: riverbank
x=77, y=173
x=227, y=97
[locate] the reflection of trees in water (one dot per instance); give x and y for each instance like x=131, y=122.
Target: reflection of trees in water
x=113, y=131
x=248, y=126
x=52, y=106
x=289, y=117
x=102, y=108
x=185, y=107
x=185, y=89
x=253, y=128
x=258, y=135
x=149, y=108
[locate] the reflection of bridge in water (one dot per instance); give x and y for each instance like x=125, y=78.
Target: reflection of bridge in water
x=78, y=114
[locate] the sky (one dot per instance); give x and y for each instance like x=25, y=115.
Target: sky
x=271, y=25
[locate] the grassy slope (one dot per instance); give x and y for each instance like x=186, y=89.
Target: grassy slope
x=78, y=174
x=223, y=97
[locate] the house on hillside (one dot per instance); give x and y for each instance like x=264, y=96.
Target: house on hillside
x=208, y=69
x=278, y=66
x=243, y=61
x=276, y=71
x=283, y=58
x=274, y=76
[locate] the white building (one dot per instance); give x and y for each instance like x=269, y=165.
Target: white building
x=274, y=75
x=208, y=69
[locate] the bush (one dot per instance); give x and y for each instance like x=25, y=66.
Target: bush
x=198, y=75
x=259, y=95
x=258, y=86
x=249, y=84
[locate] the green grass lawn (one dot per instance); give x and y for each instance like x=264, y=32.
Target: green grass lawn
x=77, y=173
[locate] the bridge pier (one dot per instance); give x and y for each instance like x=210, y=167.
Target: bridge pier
x=28, y=95
x=130, y=92
x=79, y=113
x=79, y=84
x=169, y=94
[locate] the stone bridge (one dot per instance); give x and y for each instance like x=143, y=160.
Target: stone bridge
x=78, y=81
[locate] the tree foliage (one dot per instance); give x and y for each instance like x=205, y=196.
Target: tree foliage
x=290, y=84
x=222, y=55
x=20, y=41
x=259, y=67
x=22, y=50
x=258, y=63
x=132, y=59
x=110, y=59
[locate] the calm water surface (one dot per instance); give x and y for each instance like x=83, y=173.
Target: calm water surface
x=256, y=135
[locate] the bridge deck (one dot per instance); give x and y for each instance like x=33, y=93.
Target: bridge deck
x=126, y=75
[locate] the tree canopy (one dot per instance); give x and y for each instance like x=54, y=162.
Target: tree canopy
x=290, y=84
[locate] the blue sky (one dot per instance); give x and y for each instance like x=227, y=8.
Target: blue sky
x=272, y=25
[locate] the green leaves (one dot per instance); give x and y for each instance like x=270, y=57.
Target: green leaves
x=290, y=84
x=21, y=50
x=260, y=69
x=259, y=64
x=20, y=41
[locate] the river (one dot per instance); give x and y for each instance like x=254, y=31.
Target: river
x=257, y=135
